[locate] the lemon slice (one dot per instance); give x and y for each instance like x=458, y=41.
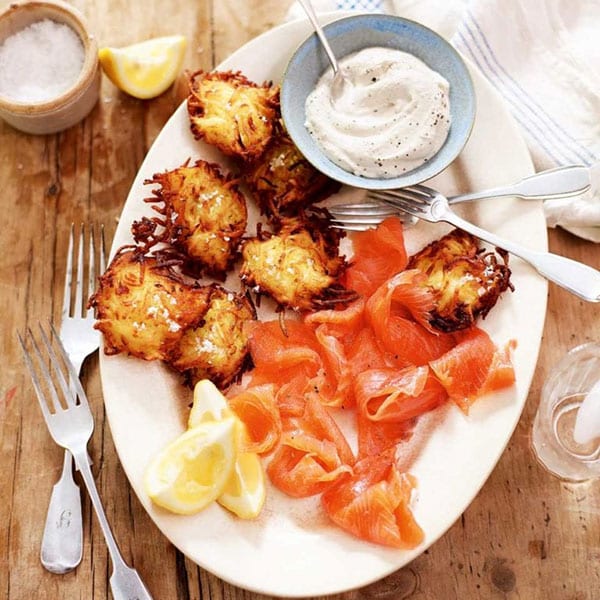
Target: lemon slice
x=209, y=404
x=144, y=70
x=193, y=470
x=244, y=492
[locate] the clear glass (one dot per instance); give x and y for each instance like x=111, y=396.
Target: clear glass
x=552, y=434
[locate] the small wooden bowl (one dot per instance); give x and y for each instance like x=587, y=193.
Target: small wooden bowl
x=75, y=103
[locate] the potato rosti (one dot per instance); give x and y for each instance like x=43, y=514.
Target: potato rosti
x=217, y=348
x=142, y=309
x=282, y=180
x=229, y=111
x=466, y=280
x=299, y=265
x=204, y=215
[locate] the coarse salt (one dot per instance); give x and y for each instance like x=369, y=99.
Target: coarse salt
x=40, y=62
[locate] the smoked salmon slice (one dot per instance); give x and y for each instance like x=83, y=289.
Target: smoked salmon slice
x=473, y=367
x=291, y=396
x=365, y=353
x=256, y=408
x=373, y=503
x=392, y=395
x=303, y=466
x=378, y=254
x=376, y=437
x=313, y=453
x=397, y=314
x=336, y=379
x=343, y=323
x=501, y=373
x=274, y=350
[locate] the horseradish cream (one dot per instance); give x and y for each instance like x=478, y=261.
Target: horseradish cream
x=392, y=116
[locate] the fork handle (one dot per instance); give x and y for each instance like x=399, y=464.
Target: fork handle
x=125, y=583
x=62, y=541
x=577, y=278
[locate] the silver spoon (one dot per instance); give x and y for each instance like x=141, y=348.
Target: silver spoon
x=339, y=79
x=560, y=182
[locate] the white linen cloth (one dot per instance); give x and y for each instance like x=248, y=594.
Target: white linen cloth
x=543, y=57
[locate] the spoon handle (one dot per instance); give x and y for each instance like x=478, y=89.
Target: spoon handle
x=310, y=13
x=553, y=183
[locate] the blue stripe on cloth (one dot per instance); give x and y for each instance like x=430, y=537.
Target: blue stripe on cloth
x=558, y=145
x=460, y=40
x=576, y=146
x=563, y=137
x=371, y=5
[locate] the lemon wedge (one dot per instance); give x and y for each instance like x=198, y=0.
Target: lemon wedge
x=144, y=70
x=244, y=493
x=194, y=469
x=209, y=404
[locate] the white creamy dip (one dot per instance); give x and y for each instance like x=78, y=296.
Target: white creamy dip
x=392, y=117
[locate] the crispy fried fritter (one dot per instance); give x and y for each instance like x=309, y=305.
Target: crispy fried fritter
x=229, y=111
x=143, y=310
x=204, y=213
x=282, y=180
x=466, y=280
x=299, y=265
x=218, y=347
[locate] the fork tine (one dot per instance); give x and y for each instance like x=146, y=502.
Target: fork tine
x=366, y=219
x=91, y=261
x=66, y=308
x=364, y=209
x=422, y=190
x=414, y=192
x=102, y=250
x=52, y=404
x=37, y=386
x=408, y=205
x=97, y=264
x=91, y=284
x=69, y=397
x=414, y=200
x=78, y=311
x=73, y=375
x=351, y=227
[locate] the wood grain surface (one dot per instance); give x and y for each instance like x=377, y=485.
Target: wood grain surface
x=527, y=535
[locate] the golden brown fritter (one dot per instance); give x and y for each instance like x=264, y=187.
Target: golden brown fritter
x=204, y=215
x=299, y=265
x=466, y=280
x=282, y=180
x=218, y=347
x=229, y=111
x=143, y=310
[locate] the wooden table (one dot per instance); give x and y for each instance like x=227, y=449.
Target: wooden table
x=526, y=535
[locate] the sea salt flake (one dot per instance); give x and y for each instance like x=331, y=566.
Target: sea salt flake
x=40, y=62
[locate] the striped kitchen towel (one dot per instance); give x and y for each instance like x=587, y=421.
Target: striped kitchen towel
x=543, y=57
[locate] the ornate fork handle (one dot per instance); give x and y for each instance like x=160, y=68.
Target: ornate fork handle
x=579, y=279
x=62, y=540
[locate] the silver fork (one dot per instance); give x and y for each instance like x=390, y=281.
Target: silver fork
x=561, y=182
x=428, y=204
x=62, y=540
x=70, y=423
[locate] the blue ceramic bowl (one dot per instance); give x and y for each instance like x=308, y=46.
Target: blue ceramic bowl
x=350, y=35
